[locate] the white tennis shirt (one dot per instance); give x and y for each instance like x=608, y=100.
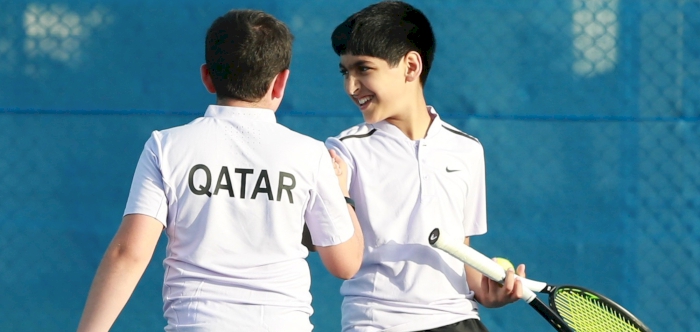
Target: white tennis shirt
x=233, y=189
x=403, y=189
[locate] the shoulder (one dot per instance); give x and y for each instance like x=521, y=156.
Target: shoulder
x=289, y=137
x=359, y=131
x=351, y=139
x=178, y=130
x=160, y=139
x=459, y=134
x=454, y=139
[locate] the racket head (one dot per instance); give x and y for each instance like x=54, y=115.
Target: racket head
x=585, y=310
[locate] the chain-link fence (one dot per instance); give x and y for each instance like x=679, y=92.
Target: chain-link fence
x=589, y=112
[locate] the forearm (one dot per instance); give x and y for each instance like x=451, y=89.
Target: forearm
x=358, y=237
x=344, y=260
x=492, y=294
x=121, y=268
x=114, y=282
x=474, y=281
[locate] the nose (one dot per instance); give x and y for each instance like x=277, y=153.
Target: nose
x=352, y=85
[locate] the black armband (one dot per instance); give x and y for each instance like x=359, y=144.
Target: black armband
x=350, y=201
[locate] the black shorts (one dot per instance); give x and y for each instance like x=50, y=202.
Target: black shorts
x=469, y=325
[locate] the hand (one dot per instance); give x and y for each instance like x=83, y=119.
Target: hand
x=494, y=295
x=341, y=171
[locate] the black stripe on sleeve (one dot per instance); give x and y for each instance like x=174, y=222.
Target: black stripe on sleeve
x=360, y=136
x=461, y=133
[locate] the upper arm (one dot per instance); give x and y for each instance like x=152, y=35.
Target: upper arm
x=343, y=260
x=475, y=204
x=326, y=215
x=147, y=194
x=332, y=225
x=137, y=237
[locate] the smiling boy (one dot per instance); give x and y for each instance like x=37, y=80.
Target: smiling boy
x=409, y=172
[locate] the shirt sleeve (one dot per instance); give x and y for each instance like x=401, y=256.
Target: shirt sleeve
x=147, y=195
x=475, y=206
x=327, y=214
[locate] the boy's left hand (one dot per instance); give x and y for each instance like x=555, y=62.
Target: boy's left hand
x=494, y=295
x=341, y=171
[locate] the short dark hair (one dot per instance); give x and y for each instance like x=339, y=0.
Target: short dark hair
x=244, y=50
x=387, y=30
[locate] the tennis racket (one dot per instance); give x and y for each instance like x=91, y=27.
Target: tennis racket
x=570, y=309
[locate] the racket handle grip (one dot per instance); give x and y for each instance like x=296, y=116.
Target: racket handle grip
x=477, y=260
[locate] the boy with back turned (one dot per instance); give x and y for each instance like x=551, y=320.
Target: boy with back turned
x=232, y=190
x=409, y=172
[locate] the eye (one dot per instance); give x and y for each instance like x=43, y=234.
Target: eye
x=363, y=69
x=343, y=72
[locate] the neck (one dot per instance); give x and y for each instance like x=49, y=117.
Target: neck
x=240, y=103
x=414, y=121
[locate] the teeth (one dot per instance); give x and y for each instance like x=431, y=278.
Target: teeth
x=364, y=100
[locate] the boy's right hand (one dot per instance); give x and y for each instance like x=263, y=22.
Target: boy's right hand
x=341, y=171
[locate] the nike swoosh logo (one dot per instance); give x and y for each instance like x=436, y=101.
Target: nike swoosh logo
x=451, y=170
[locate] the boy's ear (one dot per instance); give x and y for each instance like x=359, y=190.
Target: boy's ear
x=206, y=78
x=279, y=83
x=414, y=66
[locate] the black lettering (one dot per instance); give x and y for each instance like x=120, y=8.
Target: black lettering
x=288, y=188
x=243, y=172
x=202, y=189
x=258, y=189
x=224, y=176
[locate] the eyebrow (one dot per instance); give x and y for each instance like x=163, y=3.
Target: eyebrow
x=355, y=64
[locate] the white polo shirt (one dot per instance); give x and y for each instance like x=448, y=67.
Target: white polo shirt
x=403, y=189
x=233, y=189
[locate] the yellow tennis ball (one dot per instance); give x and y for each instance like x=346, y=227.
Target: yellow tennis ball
x=504, y=263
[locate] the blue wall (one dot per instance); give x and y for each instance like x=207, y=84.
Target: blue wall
x=589, y=112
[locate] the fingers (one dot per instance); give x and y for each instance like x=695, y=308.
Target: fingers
x=511, y=291
x=494, y=294
x=336, y=162
x=518, y=286
x=514, y=287
x=336, y=158
x=341, y=171
x=509, y=282
x=517, y=290
x=336, y=168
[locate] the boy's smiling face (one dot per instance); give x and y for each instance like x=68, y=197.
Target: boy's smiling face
x=373, y=85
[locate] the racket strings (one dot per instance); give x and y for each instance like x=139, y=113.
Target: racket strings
x=586, y=312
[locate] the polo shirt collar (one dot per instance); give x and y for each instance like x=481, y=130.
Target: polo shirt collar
x=259, y=114
x=435, y=125
x=434, y=128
